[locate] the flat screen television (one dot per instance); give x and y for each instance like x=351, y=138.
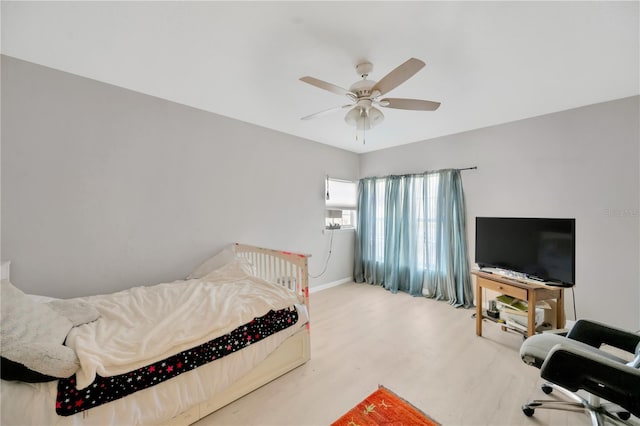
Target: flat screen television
x=540, y=248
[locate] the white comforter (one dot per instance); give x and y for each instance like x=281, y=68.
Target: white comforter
x=143, y=325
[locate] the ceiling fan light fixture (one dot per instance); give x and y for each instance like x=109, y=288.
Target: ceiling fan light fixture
x=363, y=123
x=353, y=116
x=375, y=116
x=363, y=119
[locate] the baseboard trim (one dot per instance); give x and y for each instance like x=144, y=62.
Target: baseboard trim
x=329, y=285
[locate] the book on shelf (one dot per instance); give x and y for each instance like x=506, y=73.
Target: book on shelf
x=522, y=318
x=512, y=303
x=516, y=311
x=509, y=311
x=515, y=325
x=518, y=305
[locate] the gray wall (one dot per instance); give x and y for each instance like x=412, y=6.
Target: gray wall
x=104, y=188
x=581, y=163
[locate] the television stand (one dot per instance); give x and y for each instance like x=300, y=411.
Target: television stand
x=524, y=290
x=555, y=284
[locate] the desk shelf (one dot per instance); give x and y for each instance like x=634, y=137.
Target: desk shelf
x=521, y=290
x=507, y=327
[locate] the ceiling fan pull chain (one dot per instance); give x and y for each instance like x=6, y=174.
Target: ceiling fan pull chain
x=327, y=196
x=364, y=130
x=364, y=135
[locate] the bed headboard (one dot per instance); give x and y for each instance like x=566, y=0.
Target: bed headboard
x=281, y=267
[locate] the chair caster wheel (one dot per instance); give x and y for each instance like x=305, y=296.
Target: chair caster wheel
x=528, y=411
x=624, y=415
x=546, y=389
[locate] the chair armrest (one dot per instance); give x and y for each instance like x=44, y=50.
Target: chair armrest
x=595, y=334
x=577, y=368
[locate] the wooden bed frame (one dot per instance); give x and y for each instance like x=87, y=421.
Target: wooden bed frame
x=283, y=268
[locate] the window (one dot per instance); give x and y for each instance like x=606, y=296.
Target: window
x=428, y=221
x=341, y=200
x=426, y=214
x=411, y=235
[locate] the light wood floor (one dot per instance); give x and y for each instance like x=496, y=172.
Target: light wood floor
x=425, y=351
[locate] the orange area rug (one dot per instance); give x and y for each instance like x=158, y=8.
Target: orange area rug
x=384, y=407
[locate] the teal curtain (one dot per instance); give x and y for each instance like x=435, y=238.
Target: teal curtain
x=402, y=235
x=449, y=279
x=411, y=236
x=370, y=267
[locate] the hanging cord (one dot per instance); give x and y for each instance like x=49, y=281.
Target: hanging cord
x=364, y=136
x=327, y=196
x=364, y=128
x=326, y=263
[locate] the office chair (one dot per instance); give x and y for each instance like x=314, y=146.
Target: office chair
x=577, y=362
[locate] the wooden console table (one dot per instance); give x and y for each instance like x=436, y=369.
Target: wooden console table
x=521, y=290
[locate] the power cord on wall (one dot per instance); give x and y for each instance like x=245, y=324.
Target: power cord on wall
x=326, y=263
x=573, y=297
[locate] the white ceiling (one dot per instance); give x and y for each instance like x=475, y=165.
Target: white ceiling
x=487, y=62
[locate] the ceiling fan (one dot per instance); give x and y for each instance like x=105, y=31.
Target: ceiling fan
x=365, y=95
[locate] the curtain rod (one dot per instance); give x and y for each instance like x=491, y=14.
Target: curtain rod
x=430, y=171
x=465, y=168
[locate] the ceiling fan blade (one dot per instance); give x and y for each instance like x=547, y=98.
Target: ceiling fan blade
x=328, y=86
x=326, y=111
x=412, y=104
x=398, y=76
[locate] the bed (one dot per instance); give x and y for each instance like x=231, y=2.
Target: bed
x=189, y=384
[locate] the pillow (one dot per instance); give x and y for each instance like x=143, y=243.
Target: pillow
x=238, y=269
x=77, y=311
x=213, y=263
x=32, y=334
